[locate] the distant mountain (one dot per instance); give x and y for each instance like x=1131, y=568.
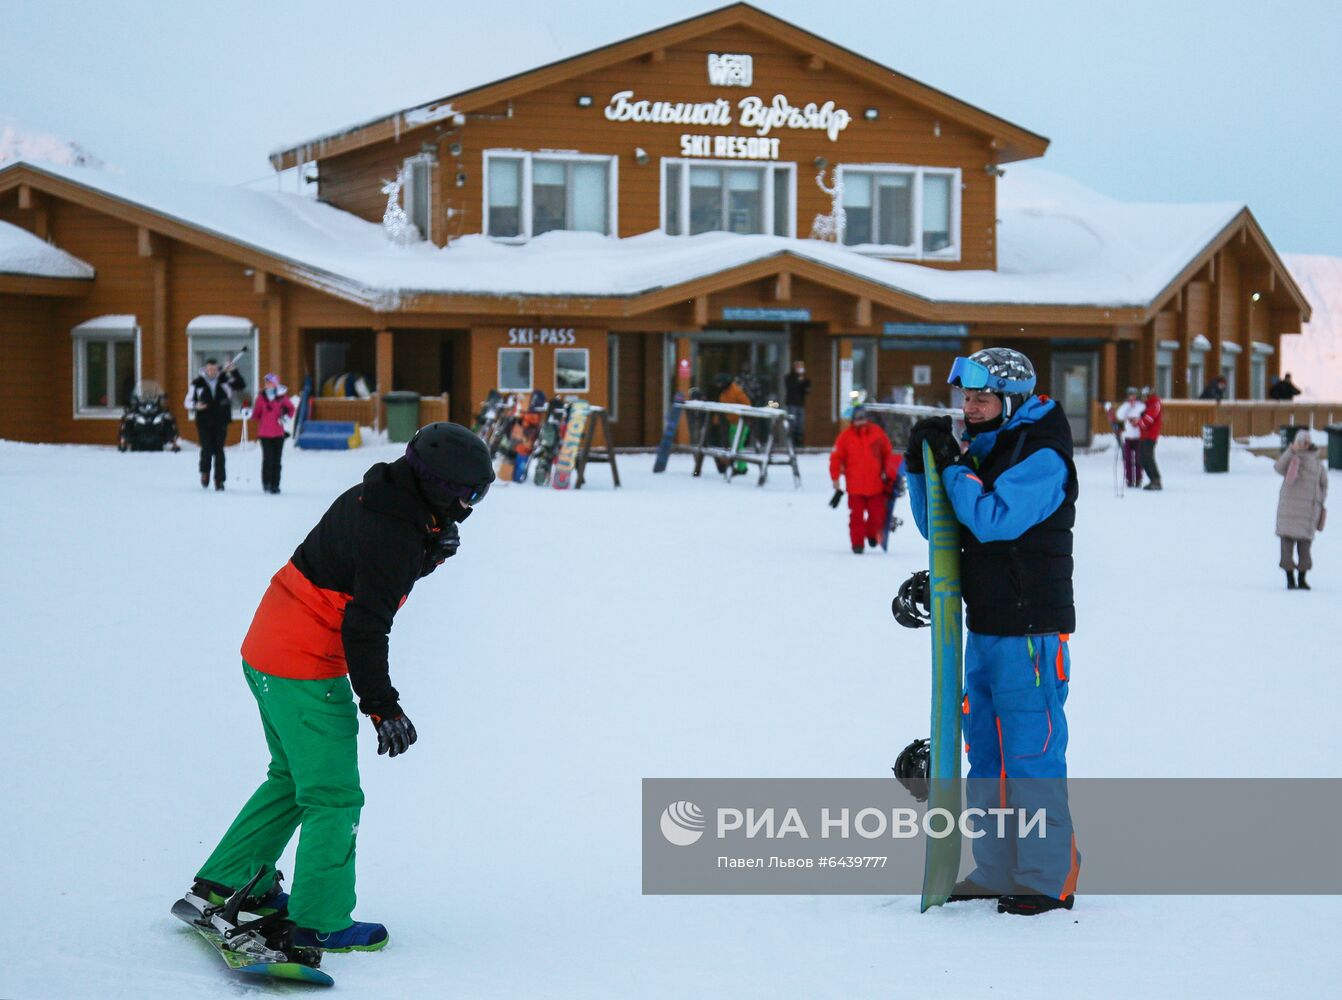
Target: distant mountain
x=1314, y=356
x=19, y=143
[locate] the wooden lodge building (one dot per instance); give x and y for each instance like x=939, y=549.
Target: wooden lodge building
x=726, y=193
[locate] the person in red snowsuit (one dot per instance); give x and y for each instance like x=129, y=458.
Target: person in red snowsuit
x=863, y=456
x=1149, y=423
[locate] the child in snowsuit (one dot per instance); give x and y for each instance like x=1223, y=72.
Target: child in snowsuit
x=863, y=456
x=1014, y=493
x=270, y=409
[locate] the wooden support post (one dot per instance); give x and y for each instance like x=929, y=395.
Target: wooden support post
x=783, y=286
x=862, y=312
x=1109, y=370
x=384, y=369
x=26, y=197
x=683, y=375
x=147, y=244
x=275, y=335
x=701, y=310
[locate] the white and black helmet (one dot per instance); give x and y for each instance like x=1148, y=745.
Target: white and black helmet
x=999, y=370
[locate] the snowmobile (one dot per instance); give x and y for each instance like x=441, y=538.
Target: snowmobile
x=146, y=424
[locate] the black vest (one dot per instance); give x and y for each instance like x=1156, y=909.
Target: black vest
x=1023, y=586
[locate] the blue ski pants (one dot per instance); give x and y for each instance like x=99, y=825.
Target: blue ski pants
x=1016, y=740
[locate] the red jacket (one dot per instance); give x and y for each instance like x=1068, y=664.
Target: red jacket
x=864, y=456
x=1149, y=421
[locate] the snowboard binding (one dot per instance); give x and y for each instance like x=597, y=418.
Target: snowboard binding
x=262, y=939
x=912, y=606
x=912, y=767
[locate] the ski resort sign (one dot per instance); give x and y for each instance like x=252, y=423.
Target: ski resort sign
x=751, y=112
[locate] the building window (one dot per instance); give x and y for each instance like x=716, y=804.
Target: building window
x=528, y=194
x=860, y=386
x=417, y=191
x=1164, y=373
x=572, y=370
x=1196, y=373
x=706, y=196
x=905, y=211
x=106, y=365
x=1258, y=362
x=224, y=338
x=514, y=369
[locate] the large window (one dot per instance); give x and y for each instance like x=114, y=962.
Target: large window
x=528, y=194
x=224, y=338
x=704, y=196
x=907, y=211
x=106, y=365
x=417, y=193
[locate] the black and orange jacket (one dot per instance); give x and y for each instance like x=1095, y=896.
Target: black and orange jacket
x=329, y=610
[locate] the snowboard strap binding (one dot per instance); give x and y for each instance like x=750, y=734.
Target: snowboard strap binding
x=912, y=768
x=912, y=606
x=266, y=938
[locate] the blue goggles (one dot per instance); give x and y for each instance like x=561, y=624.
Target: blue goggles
x=969, y=374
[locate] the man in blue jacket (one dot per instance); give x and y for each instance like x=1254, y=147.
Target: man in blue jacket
x=1014, y=492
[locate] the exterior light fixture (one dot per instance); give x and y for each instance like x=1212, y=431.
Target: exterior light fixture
x=820, y=163
x=1257, y=296
x=993, y=170
x=871, y=114
x=461, y=180
x=584, y=100
x=640, y=156
x=454, y=149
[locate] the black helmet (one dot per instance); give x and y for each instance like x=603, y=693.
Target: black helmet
x=912, y=767
x=450, y=463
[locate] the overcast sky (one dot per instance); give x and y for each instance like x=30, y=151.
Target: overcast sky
x=1160, y=100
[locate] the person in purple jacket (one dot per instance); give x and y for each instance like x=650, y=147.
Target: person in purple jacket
x=271, y=407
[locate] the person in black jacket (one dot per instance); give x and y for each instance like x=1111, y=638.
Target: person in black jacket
x=210, y=398
x=317, y=643
x=1014, y=492
x=1284, y=389
x=795, y=387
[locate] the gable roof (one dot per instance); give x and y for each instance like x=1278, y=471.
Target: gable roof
x=1012, y=141
x=22, y=253
x=1066, y=254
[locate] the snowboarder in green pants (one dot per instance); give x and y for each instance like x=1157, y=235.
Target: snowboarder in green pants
x=318, y=640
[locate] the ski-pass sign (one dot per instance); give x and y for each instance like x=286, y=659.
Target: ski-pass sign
x=1181, y=836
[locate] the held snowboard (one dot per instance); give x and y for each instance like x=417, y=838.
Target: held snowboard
x=239, y=961
x=668, y=434
x=567, y=462
x=942, y=862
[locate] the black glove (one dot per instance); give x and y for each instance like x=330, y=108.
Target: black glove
x=440, y=546
x=836, y=498
x=395, y=733
x=937, y=432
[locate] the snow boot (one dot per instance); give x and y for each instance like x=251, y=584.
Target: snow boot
x=204, y=480
x=857, y=550
x=1290, y=580
x=273, y=900
x=219, y=487
x=966, y=891
x=1153, y=485
x=1303, y=584
x=1030, y=904
x=358, y=936
x=873, y=542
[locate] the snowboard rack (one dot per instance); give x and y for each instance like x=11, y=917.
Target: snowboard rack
x=777, y=449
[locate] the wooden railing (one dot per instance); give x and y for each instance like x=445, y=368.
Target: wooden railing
x=370, y=413
x=1246, y=418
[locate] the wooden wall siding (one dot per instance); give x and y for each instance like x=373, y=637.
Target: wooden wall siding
x=637, y=351
x=550, y=119
x=28, y=369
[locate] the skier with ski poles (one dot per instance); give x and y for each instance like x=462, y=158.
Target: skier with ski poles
x=1014, y=493
x=210, y=398
x=318, y=641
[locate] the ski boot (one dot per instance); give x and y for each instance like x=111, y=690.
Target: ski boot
x=966, y=891
x=1032, y=904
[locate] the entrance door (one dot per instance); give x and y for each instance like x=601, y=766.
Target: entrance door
x=759, y=358
x=1075, y=379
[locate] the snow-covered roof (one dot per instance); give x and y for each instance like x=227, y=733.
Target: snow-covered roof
x=216, y=324
x=112, y=321
x=1059, y=244
x=23, y=253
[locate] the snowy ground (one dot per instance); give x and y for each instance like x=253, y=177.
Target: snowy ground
x=584, y=641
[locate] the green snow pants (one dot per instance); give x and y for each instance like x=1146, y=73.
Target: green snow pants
x=313, y=781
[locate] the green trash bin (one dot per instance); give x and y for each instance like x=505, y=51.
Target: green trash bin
x=1216, y=448
x=402, y=416
x=1288, y=433
x=1335, y=446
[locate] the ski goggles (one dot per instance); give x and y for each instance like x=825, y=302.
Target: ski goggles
x=969, y=374
x=471, y=494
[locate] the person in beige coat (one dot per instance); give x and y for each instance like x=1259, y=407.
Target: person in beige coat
x=1300, y=506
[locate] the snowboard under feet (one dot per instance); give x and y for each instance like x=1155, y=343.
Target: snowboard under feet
x=239, y=961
